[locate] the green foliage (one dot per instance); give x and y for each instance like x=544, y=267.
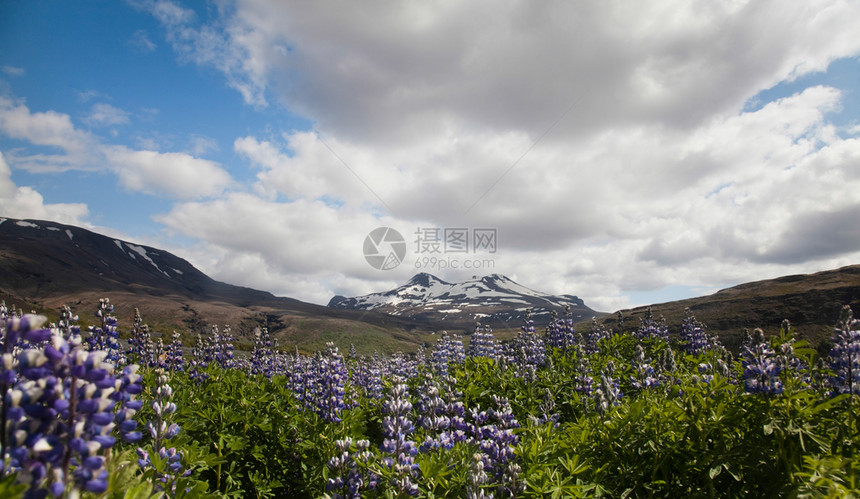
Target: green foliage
x=696, y=434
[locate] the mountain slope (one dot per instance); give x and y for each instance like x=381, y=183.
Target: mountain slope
x=811, y=302
x=44, y=265
x=495, y=300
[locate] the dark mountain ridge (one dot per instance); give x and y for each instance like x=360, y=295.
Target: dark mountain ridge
x=46, y=264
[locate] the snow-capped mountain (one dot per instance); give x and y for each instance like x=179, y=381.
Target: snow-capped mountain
x=494, y=299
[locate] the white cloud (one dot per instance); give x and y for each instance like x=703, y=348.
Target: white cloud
x=397, y=72
x=48, y=128
x=175, y=175
x=26, y=202
x=102, y=115
x=171, y=174
x=13, y=70
x=140, y=40
x=201, y=145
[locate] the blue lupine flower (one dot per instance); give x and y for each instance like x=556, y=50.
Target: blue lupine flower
x=845, y=354
x=482, y=343
x=350, y=477
x=63, y=410
x=162, y=429
x=324, y=384
x=694, y=339
x=650, y=328
x=396, y=429
x=761, y=369
x=106, y=337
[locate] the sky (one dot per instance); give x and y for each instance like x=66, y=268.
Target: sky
x=625, y=152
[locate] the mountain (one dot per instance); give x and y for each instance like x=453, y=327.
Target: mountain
x=811, y=302
x=44, y=265
x=495, y=300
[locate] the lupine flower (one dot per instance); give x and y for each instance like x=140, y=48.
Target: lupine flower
x=560, y=332
x=62, y=414
x=222, y=346
x=645, y=375
x=66, y=325
x=396, y=429
x=607, y=394
x=649, y=328
x=449, y=349
x=845, y=354
x=160, y=429
x=494, y=433
x=202, y=354
x=595, y=334
x=761, y=370
x=175, y=361
x=350, y=477
x=324, y=385
x=482, y=343
x=106, y=337
x=547, y=411
x=432, y=416
x=141, y=348
x=694, y=339
x=477, y=479
x=263, y=355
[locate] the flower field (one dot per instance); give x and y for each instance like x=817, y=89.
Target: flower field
x=565, y=412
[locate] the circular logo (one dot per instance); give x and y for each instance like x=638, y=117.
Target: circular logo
x=384, y=248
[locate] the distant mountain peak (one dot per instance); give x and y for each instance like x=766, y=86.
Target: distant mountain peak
x=424, y=279
x=492, y=299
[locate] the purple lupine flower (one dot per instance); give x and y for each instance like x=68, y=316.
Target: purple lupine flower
x=61, y=415
x=432, y=416
x=366, y=375
x=694, y=339
x=140, y=346
x=547, y=411
x=761, y=369
x=202, y=354
x=527, y=351
x=482, y=343
x=324, y=385
x=650, y=328
x=595, y=333
x=645, y=375
x=263, y=355
x=494, y=433
x=400, y=365
x=478, y=479
x=449, y=349
x=175, y=361
x=350, y=477
x=607, y=393
x=396, y=429
x=106, y=337
x=845, y=354
x=222, y=346
x=161, y=429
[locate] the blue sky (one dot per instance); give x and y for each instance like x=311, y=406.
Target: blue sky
x=628, y=155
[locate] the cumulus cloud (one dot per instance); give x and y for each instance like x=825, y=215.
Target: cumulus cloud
x=401, y=71
x=175, y=175
x=170, y=174
x=47, y=128
x=26, y=202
